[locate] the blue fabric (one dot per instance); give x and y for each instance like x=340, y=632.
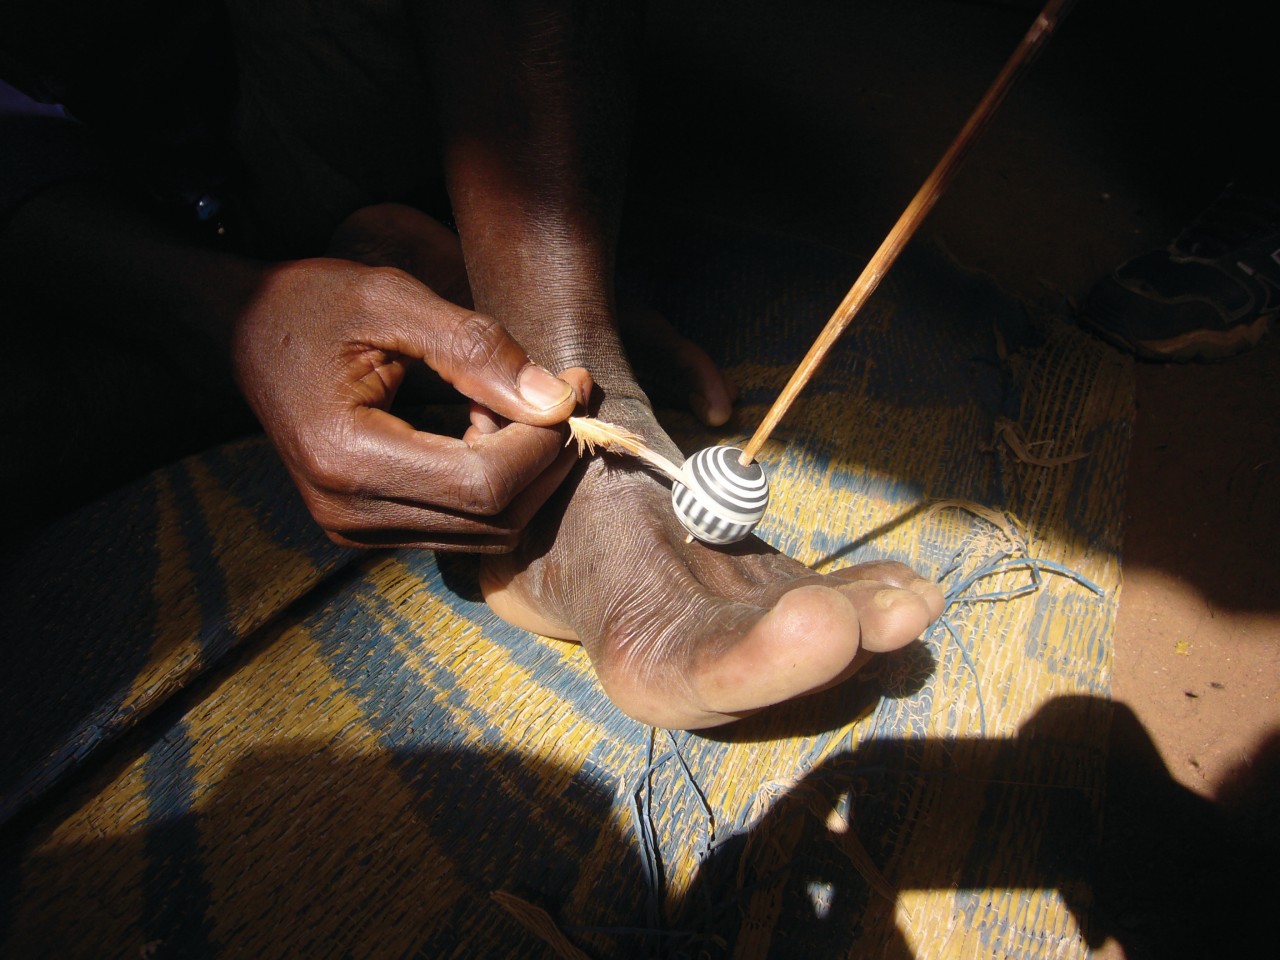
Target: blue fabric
x=43, y=146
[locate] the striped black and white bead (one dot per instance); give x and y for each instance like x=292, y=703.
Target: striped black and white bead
x=720, y=501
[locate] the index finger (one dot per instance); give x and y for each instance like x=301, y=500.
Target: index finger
x=394, y=461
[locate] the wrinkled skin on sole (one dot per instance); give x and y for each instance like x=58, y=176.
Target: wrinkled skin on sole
x=683, y=635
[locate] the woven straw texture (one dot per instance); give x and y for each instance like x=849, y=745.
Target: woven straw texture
x=225, y=737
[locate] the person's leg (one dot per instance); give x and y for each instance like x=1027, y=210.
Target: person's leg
x=681, y=634
x=534, y=115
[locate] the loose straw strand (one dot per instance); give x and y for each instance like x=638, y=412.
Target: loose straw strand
x=538, y=922
x=590, y=433
x=910, y=220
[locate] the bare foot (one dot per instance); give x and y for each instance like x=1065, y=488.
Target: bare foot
x=683, y=635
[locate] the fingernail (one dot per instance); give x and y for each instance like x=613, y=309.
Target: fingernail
x=541, y=389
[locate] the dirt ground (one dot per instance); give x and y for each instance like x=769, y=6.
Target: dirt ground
x=1198, y=646
x=823, y=119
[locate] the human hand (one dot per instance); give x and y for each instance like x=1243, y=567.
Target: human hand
x=319, y=354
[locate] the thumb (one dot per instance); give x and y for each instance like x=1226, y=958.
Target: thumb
x=477, y=355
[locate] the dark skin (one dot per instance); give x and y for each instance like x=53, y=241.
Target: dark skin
x=367, y=476
x=319, y=348
x=533, y=102
x=689, y=636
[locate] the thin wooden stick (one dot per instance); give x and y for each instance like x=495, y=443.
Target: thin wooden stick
x=910, y=220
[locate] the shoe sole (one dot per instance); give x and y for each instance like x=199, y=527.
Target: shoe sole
x=1204, y=345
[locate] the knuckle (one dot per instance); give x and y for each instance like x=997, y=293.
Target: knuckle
x=475, y=341
x=379, y=289
x=487, y=484
x=326, y=513
x=505, y=543
x=326, y=469
x=482, y=494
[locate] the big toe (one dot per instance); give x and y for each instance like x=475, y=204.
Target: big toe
x=815, y=636
x=810, y=637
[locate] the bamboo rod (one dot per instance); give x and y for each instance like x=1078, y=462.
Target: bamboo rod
x=910, y=220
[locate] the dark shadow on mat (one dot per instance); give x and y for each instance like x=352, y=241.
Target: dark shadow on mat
x=94, y=598
x=1163, y=871
x=305, y=850
x=398, y=854
x=896, y=675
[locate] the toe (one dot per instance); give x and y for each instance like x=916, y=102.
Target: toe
x=890, y=616
x=895, y=605
x=817, y=635
x=688, y=636
x=807, y=639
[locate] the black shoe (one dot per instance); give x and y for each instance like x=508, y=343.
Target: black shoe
x=1211, y=294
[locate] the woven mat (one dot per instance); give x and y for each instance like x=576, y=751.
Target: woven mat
x=224, y=736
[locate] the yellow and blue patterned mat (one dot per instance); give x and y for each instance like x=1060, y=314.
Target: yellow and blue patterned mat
x=224, y=736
